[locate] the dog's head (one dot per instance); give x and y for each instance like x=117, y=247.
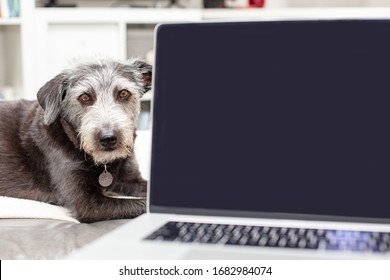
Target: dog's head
x=101, y=102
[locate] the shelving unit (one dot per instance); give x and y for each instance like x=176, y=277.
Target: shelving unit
x=10, y=21
x=15, y=52
x=10, y=80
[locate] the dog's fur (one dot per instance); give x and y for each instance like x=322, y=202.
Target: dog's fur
x=55, y=149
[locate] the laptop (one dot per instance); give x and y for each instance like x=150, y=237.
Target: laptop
x=270, y=140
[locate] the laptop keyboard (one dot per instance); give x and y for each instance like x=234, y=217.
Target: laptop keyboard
x=282, y=237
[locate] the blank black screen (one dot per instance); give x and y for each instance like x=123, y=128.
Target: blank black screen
x=273, y=117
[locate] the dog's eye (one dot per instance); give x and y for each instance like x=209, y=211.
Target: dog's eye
x=85, y=99
x=123, y=94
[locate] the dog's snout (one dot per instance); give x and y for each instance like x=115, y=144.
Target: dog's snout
x=108, y=139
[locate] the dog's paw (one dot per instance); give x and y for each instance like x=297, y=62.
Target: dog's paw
x=136, y=188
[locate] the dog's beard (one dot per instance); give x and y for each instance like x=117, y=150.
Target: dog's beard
x=102, y=156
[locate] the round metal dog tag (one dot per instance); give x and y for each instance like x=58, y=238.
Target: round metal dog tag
x=105, y=179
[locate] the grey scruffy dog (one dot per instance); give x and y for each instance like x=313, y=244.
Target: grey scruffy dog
x=83, y=125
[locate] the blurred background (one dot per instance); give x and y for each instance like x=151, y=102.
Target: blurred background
x=40, y=38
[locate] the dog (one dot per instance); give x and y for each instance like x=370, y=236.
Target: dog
x=73, y=147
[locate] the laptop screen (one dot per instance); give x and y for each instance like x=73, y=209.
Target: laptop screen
x=272, y=119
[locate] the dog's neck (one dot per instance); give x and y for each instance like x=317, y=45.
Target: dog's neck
x=70, y=132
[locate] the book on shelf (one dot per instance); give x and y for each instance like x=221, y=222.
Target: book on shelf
x=9, y=8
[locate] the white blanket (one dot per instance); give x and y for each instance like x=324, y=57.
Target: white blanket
x=23, y=208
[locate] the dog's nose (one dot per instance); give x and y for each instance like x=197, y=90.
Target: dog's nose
x=108, y=139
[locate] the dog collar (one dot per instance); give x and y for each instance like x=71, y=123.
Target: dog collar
x=105, y=178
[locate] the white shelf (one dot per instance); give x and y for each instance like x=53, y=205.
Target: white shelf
x=10, y=21
x=154, y=16
x=147, y=96
x=296, y=13
x=120, y=15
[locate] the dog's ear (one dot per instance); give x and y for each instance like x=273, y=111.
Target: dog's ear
x=50, y=97
x=146, y=70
